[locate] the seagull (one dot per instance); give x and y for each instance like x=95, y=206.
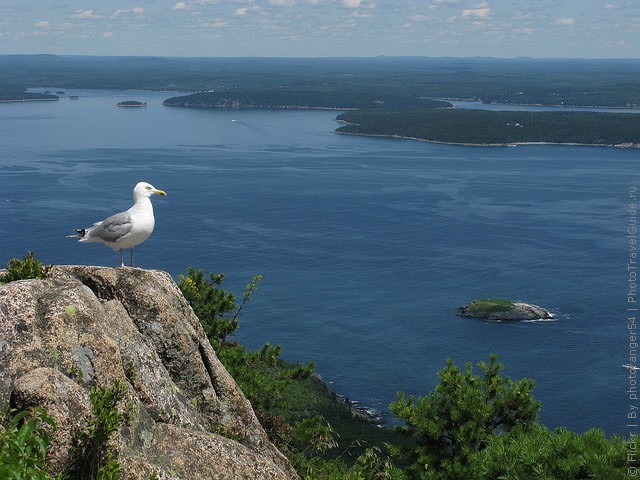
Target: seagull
x=125, y=229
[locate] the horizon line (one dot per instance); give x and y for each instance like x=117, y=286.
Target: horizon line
x=310, y=57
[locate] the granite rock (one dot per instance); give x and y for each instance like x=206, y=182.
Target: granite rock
x=87, y=327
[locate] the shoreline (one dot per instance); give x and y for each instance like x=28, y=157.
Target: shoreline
x=259, y=107
x=31, y=100
x=355, y=407
x=510, y=144
x=543, y=105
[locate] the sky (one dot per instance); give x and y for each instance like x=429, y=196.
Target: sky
x=319, y=28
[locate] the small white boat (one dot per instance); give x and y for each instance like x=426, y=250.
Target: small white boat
x=628, y=366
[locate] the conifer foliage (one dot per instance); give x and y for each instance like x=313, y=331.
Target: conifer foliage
x=462, y=415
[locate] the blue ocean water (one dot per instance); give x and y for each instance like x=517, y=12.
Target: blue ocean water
x=366, y=245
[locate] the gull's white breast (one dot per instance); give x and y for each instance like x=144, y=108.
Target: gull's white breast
x=142, y=223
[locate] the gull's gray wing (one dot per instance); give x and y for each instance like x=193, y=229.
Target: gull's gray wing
x=113, y=228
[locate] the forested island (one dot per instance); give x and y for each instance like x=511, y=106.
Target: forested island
x=20, y=94
x=131, y=103
x=485, y=127
x=300, y=99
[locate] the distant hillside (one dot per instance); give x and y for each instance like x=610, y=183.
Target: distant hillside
x=613, y=83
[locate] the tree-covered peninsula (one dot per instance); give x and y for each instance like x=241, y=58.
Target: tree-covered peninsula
x=484, y=127
x=320, y=99
x=20, y=94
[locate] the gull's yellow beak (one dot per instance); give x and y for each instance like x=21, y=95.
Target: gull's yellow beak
x=160, y=192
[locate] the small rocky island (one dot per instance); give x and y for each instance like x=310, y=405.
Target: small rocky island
x=503, y=310
x=131, y=103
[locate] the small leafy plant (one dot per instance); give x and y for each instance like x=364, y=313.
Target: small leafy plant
x=24, y=269
x=23, y=445
x=216, y=308
x=92, y=456
x=315, y=435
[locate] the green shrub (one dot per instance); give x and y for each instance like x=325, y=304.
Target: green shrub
x=262, y=376
x=461, y=417
x=24, y=269
x=216, y=309
x=92, y=457
x=23, y=445
x=314, y=437
x=537, y=452
x=490, y=305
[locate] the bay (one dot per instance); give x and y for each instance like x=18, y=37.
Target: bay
x=366, y=245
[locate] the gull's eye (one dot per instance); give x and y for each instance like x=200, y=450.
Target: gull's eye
x=148, y=188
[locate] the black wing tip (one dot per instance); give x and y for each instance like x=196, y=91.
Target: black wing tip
x=79, y=234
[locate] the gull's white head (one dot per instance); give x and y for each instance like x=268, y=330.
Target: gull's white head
x=144, y=189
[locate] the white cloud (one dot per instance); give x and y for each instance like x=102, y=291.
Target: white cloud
x=84, y=14
x=445, y=2
x=565, y=21
x=362, y=14
x=616, y=6
x=482, y=12
x=522, y=16
x=108, y=34
x=282, y=3
x=137, y=10
x=217, y=23
x=180, y=6
x=351, y=3
x=43, y=24
x=241, y=12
